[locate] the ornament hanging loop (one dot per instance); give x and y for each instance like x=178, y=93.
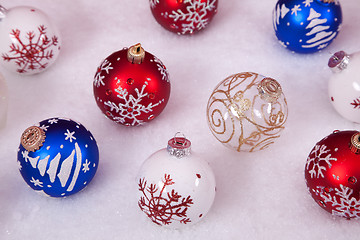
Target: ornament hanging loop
x=179, y=146
x=136, y=54
x=2, y=12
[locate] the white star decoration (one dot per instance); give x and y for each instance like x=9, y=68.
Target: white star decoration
x=52, y=121
x=36, y=182
x=69, y=135
x=308, y=3
x=295, y=9
x=86, y=166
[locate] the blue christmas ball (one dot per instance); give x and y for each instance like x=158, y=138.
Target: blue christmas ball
x=58, y=157
x=307, y=26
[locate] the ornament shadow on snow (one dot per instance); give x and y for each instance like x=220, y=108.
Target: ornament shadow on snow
x=175, y=187
x=131, y=86
x=58, y=157
x=247, y=111
x=183, y=17
x=332, y=173
x=344, y=85
x=307, y=26
x=30, y=47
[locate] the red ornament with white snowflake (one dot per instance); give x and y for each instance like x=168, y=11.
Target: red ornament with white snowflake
x=183, y=16
x=131, y=86
x=29, y=41
x=332, y=173
x=176, y=187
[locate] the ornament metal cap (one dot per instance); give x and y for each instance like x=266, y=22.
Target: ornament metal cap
x=339, y=61
x=355, y=143
x=328, y=1
x=33, y=138
x=269, y=90
x=136, y=54
x=179, y=146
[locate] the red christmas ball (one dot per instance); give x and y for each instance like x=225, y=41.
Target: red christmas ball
x=131, y=86
x=332, y=173
x=183, y=16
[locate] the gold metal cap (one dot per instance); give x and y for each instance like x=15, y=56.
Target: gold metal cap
x=136, y=54
x=328, y=1
x=33, y=138
x=355, y=143
x=269, y=90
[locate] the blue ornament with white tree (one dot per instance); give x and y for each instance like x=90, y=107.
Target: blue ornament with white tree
x=307, y=26
x=58, y=157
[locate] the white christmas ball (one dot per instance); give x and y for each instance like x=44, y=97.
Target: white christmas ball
x=176, y=188
x=344, y=86
x=29, y=41
x=3, y=101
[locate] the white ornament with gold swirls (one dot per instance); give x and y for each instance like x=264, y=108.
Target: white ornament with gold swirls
x=247, y=111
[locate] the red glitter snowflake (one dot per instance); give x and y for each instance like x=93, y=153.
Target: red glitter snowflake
x=356, y=103
x=163, y=209
x=31, y=55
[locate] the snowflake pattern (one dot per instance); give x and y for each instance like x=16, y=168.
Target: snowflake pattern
x=153, y=3
x=69, y=135
x=131, y=108
x=295, y=9
x=317, y=159
x=307, y=3
x=162, y=69
x=86, y=166
x=31, y=55
x=342, y=202
x=195, y=15
x=53, y=121
x=356, y=103
x=36, y=182
x=163, y=208
x=105, y=66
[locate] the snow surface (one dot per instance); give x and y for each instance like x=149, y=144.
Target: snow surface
x=260, y=195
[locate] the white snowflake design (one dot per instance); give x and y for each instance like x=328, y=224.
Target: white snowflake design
x=105, y=66
x=153, y=3
x=317, y=159
x=131, y=108
x=195, y=16
x=162, y=69
x=295, y=9
x=36, y=182
x=307, y=3
x=53, y=121
x=86, y=166
x=343, y=204
x=69, y=135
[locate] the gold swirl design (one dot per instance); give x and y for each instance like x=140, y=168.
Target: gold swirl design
x=239, y=116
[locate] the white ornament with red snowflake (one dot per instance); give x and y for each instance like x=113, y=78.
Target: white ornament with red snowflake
x=29, y=41
x=175, y=188
x=344, y=85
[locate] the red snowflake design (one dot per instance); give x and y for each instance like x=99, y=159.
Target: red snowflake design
x=31, y=55
x=163, y=209
x=356, y=103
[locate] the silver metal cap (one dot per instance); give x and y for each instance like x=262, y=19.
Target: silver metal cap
x=179, y=146
x=339, y=61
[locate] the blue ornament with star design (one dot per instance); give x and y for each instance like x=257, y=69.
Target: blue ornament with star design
x=307, y=26
x=58, y=157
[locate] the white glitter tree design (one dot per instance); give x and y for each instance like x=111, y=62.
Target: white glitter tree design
x=162, y=69
x=105, y=66
x=195, y=15
x=318, y=161
x=343, y=204
x=131, y=107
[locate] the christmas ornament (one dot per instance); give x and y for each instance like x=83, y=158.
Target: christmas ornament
x=3, y=101
x=58, y=157
x=132, y=86
x=306, y=26
x=332, y=172
x=29, y=41
x=247, y=111
x=344, y=86
x=176, y=187
x=184, y=16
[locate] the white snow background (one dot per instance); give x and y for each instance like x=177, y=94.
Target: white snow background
x=260, y=195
